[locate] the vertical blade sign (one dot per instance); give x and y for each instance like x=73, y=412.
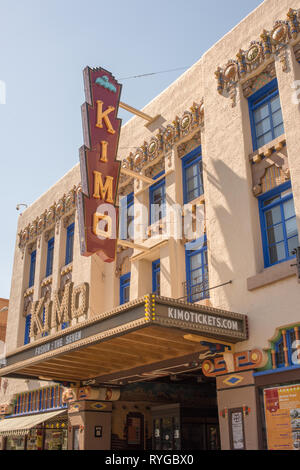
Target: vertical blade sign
x=96, y=203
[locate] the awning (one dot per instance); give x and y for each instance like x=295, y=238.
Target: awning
x=22, y=425
x=141, y=334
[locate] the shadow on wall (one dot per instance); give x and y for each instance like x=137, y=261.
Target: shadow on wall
x=232, y=222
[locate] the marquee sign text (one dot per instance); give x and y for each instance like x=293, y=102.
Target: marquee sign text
x=96, y=204
x=73, y=302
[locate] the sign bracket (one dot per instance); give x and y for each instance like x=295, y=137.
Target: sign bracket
x=134, y=174
x=127, y=244
x=139, y=113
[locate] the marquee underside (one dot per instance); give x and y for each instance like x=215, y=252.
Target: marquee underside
x=129, y=344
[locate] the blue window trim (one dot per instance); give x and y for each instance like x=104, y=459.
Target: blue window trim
x=50, y=252
x=125, y=203
x=289, y=344
x=268, y=195
x=155, y=270
x=152, y=188
x=70, y=241
x=258, y=98
x=124, y=282
x=32, y=268
x=191, y=249
x=27, y=329
x=187, y=161
x=275, y=371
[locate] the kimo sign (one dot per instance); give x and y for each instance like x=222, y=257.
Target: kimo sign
x=97, y=211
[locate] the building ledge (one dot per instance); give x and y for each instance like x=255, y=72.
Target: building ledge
x=272, y=274
x=266, y=150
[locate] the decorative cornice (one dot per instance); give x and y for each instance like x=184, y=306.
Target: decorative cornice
x=271, y=43
x=279, y=332
x=66, y=269
x=28, y=292
x=267, y=150
x=147, y=154
x=46, y=281
x=273, y=153
x=49, y=218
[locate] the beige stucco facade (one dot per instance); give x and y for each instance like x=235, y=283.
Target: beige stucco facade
x=269, y=296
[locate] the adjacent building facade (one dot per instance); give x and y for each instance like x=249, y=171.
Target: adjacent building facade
x=190, y=339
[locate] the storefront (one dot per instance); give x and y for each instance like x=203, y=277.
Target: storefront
x=46, y=431
x=35, y=420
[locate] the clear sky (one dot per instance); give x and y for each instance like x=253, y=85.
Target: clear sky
x=45, y=44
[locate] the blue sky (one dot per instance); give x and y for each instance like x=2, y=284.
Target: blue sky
x=45, y=46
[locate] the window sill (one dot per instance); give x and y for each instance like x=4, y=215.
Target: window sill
x=66, y=269
x=197, y=200
x=204, y=302
x=272, y=274
x=267, y=149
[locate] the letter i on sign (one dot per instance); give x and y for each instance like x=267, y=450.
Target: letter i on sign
x=103, y=151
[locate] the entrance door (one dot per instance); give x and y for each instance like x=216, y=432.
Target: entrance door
x=166, y=433
x=179, y=428
x=135, y=431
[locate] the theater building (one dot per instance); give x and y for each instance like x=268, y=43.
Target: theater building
x=189, y=338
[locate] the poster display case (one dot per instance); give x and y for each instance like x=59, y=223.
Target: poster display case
x=282, y=417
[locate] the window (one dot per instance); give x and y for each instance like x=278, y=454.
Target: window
x=50, y=253
x=197, y=270
x=265, y=115
x=46, y=333
x=290, y=337
x=192, y=174
x=126, y=216
x=27, y=329
x=156, y=277
x=32, y=268
x=124, y=288
x=70, y=243
x=157, y=200
x=278, y=224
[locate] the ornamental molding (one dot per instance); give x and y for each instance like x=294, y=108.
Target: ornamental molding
x=272, y=43
x=279, y=333
x=273, y=154
x=123, y=261
x=48, y=220
x=156, y=149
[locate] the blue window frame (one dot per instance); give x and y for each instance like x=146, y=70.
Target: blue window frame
x=50, y=253
x=156, y=277
x=27, y=329
x=278, y=224
x=157, y=193
x=70, y=243
x=265, y=115
x=197, y=270
x=124, y=288
x=32, y=268
x=126, y=216
x=279, y=349
x=192, y=174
